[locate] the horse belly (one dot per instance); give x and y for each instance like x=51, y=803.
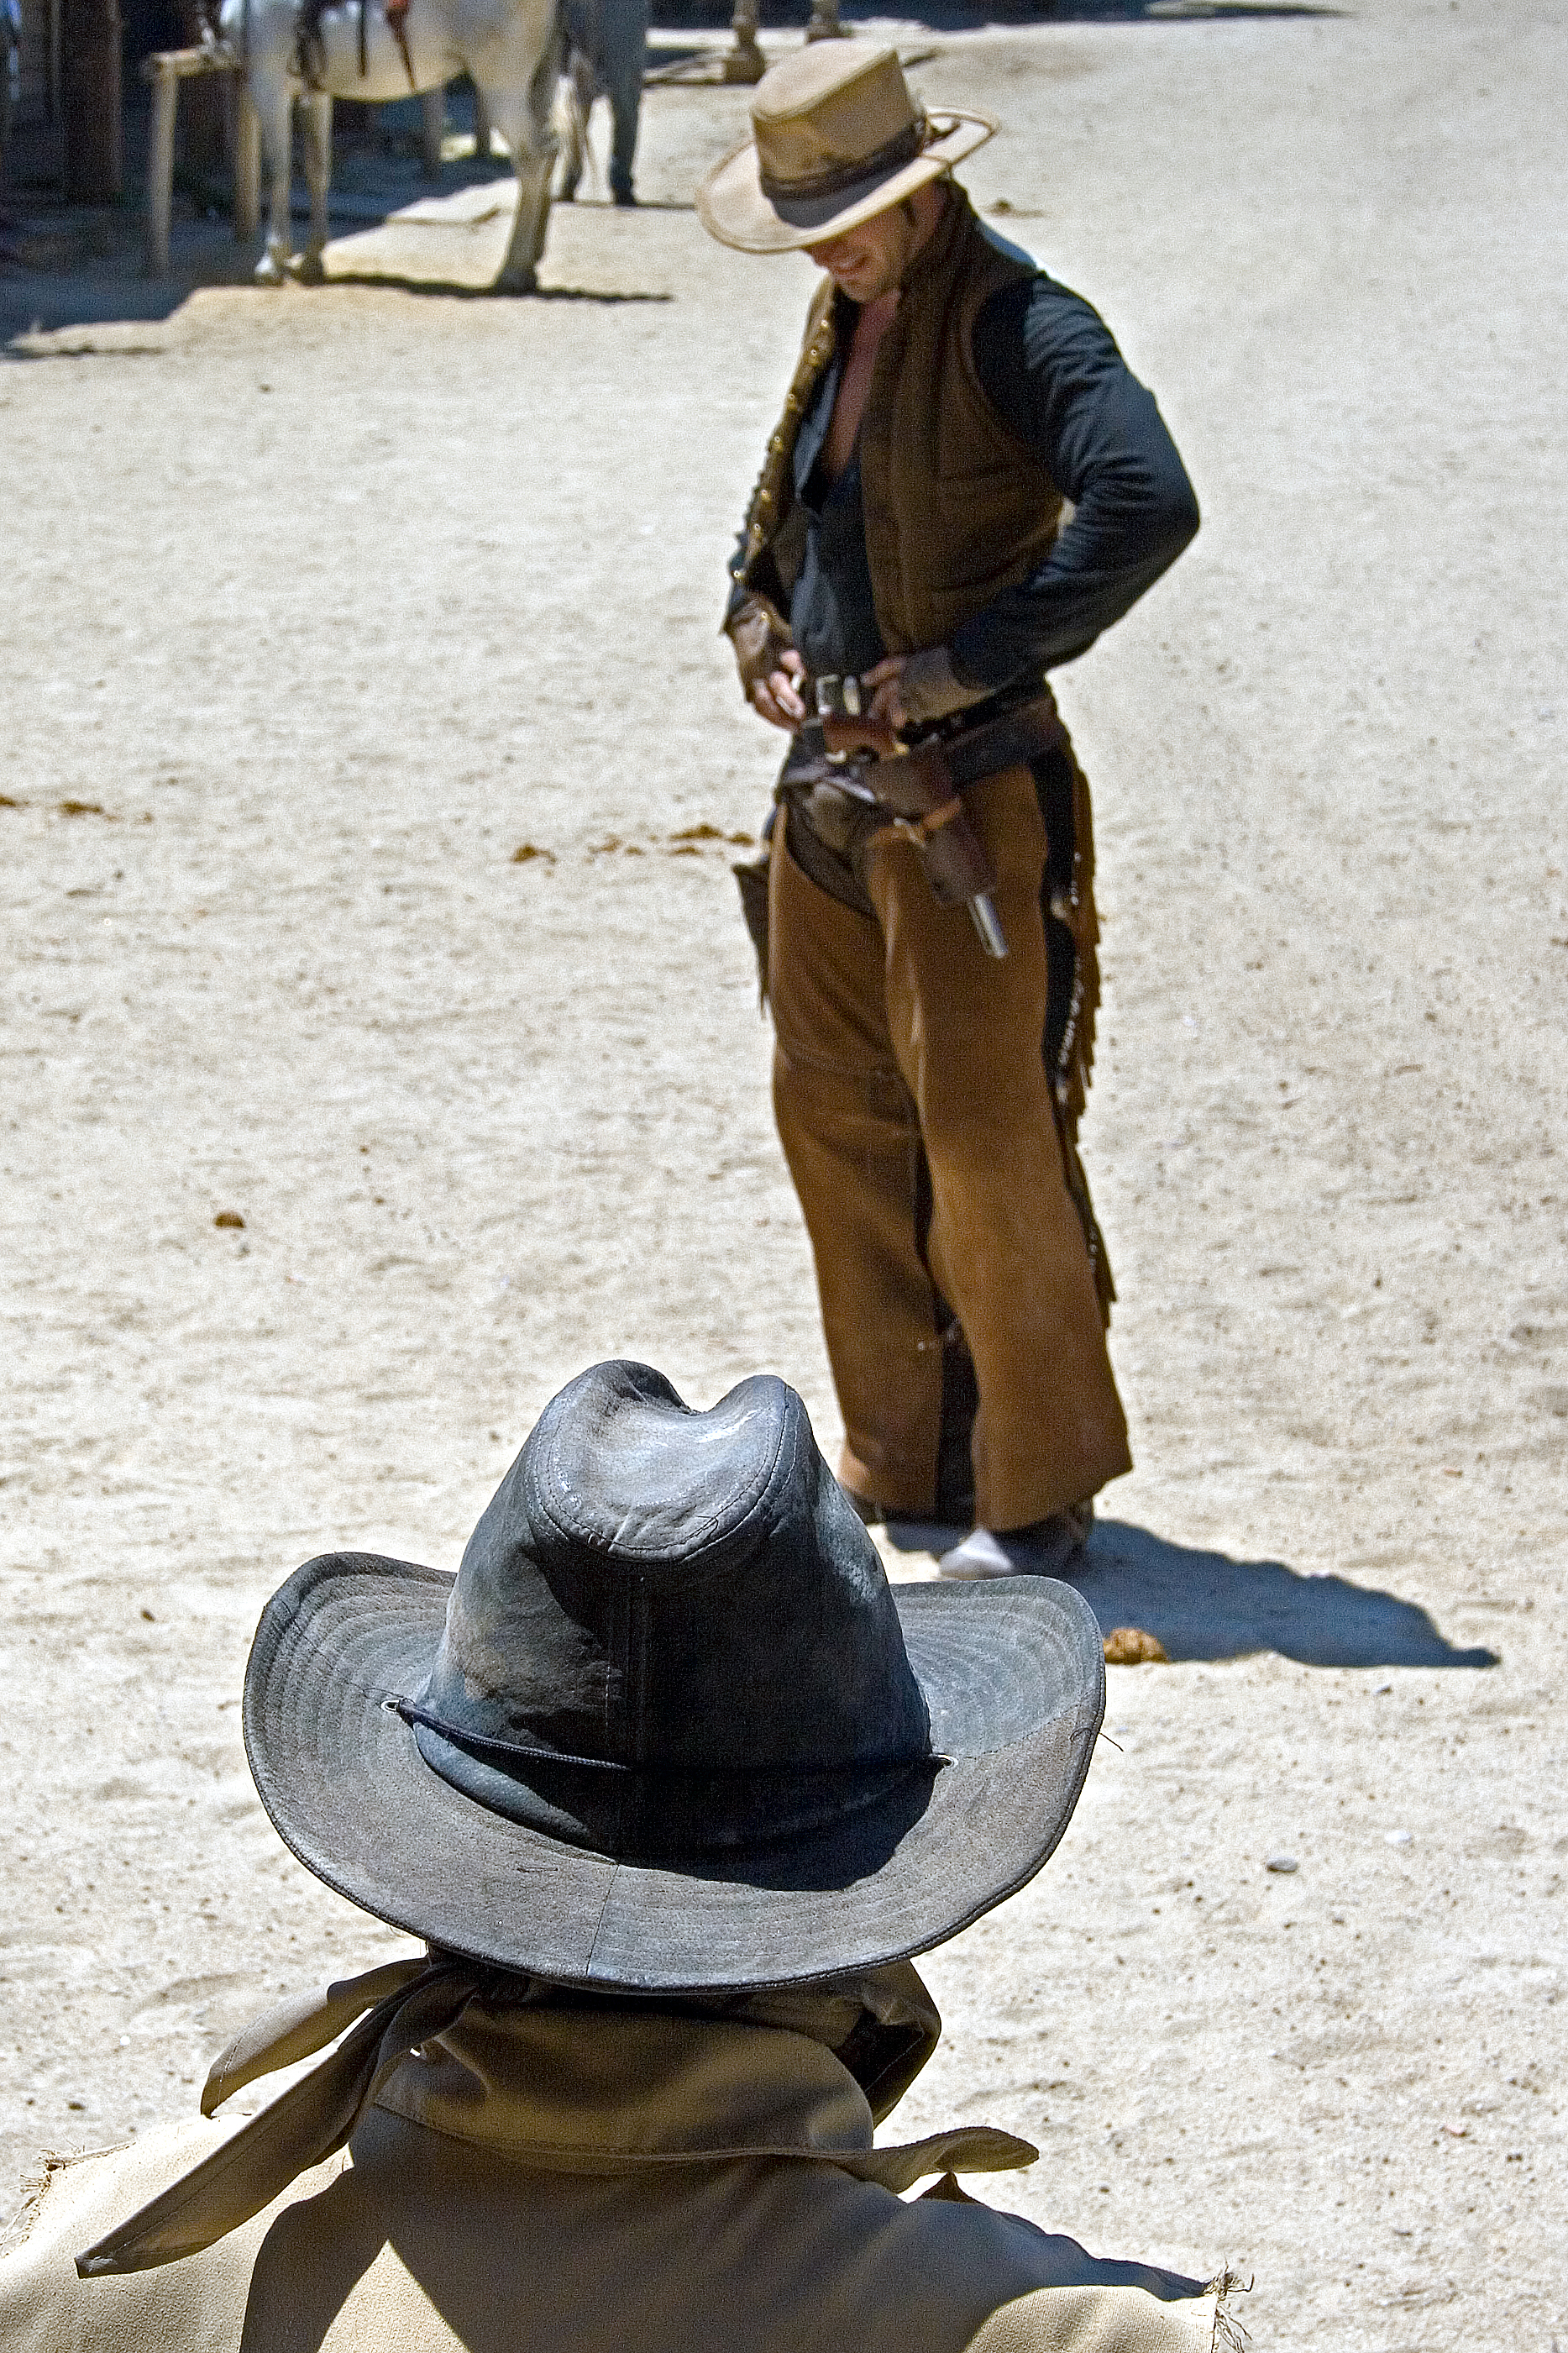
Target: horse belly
x=430, y=51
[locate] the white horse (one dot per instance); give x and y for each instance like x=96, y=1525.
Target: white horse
x=510, y=47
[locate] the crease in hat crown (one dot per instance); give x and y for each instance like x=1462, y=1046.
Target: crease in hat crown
x=575, y=1467
x=836, y=138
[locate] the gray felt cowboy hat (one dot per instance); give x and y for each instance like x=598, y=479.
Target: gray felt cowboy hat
x=669, y=1728
x=836, y=139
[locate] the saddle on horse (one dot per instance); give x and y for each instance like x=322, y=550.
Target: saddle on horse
x=310, y=47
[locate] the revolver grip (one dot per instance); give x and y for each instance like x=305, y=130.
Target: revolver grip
x=862, y=735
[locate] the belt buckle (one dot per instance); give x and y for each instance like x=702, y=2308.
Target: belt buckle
x=837, y=696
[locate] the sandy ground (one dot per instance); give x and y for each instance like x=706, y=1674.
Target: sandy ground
x=326, y=602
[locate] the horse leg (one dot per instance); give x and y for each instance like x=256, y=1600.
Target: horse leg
x=577, y=91
x=246, y=168
x=524, y=120
x=432, y=129
x=318, y=112
x=275, y=114
x=519, y=272
x=573, y=96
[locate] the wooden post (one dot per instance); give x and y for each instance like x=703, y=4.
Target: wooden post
x=203, y=143
x=745, y=61
x=166, y=70
x=246, y=166
x=10, y=71
x=433, y=125
x=6, y=74
x=161, y=174
x=90, y=101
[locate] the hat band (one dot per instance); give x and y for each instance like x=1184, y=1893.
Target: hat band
x=484, y=1746
x=838, y=181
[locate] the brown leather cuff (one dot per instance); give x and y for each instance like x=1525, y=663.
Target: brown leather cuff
x=760, y=634
x=929, y=688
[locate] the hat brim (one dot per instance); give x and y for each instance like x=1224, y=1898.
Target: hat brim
x=1013, y=1677
x=732, y=207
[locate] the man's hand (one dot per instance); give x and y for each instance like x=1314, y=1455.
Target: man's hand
x=771, y=669
x=887, y=705
x=777, y=696
x=908, y=688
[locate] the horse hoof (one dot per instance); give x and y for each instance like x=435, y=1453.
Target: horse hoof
x=309, y=270
x=270, y=271
x=516, y=282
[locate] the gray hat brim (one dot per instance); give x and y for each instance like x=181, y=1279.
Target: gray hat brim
x=1013, y=1674
x=734, y=208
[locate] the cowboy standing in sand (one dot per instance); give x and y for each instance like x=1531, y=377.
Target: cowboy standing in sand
x=673, y=1785
x=912, y=533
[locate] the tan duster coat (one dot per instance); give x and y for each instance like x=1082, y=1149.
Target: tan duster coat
x=547, y=2181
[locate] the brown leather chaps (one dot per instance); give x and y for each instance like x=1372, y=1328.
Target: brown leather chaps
x=916, y=1114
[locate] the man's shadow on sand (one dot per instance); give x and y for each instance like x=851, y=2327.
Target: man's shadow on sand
x=1203, y=1605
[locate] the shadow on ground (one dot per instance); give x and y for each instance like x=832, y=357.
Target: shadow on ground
x=448, y=290
x=1165, y=12
x=969, y=15
x=1203, y=1605
x=42, y=306
x=36, y=304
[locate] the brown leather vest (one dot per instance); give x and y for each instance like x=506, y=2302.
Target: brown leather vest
x=956, y=508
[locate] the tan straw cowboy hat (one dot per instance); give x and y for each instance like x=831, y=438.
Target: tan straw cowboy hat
x=838, y=139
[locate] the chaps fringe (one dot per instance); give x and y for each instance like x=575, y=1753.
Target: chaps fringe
x=1230, y=2335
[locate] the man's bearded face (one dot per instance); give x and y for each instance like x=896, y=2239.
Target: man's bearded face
x=870, y=261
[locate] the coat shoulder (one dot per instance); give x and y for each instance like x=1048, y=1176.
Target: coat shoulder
x=1099, y=2320
x=1036, y=2291
x=46, y=2308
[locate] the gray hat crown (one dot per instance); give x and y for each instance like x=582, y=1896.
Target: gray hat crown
x=670, y=1631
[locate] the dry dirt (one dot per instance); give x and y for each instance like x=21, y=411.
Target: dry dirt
x=316, y=605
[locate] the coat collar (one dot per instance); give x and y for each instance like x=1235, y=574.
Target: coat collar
x=586, y=2091
x=516, y=2068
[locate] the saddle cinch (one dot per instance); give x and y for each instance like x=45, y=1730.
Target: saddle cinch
x=310, y=48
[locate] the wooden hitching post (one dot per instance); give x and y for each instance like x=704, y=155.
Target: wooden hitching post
x=166, y=72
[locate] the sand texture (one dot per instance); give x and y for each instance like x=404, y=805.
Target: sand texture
x=318, y=605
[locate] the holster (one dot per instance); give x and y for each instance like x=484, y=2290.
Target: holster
x=921, y=780
x=832, y=828
x=920, y=792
